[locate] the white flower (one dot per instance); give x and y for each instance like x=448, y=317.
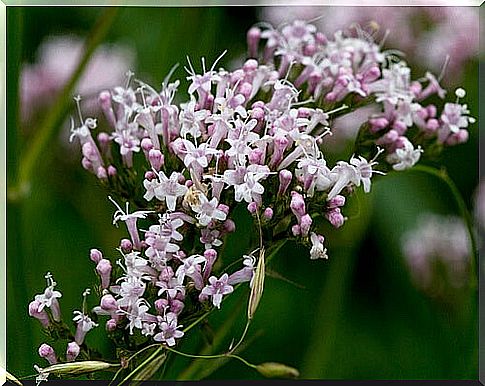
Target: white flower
x=318, y=251
x=207, y=210
x=170, y=189
x=406, y=157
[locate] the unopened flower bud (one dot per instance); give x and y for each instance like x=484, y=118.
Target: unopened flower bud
x=111, y=325
x=297, y=205
x=335, y=217
x=95, y=255
x=104, y=270
x=285, y=177
x=86, y=164
x=156, y=159
x=47, y=352
x=146, y=145
x=229, y=226
x=176, y=306
x=400, y=127
x=72, y=351
x=252, y=207
x=305, y=224
x=41, y=316
x=108, y=303
x=111, y=171
x=268, y=213
x=253, y=36
x=277, y=370
x=101, y=173
x=336, y=202
x=295, y=229
x=126, y=245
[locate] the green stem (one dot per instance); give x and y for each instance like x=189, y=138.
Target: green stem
x=140, y=366
x=216, y=356
x=54, y=117
x=443, y=176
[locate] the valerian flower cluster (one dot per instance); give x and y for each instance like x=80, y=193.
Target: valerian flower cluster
x=246, y=137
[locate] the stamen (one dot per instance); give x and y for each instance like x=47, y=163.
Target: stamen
x=217, y=60
x=77, y=98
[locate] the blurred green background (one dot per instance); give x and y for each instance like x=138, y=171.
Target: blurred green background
x=355, y=316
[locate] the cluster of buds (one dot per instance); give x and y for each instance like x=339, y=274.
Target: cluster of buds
x=248, y=137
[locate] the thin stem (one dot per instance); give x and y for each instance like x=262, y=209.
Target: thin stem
x=133, y=356
x=54, y=117
x=443, y=176
x=211, y=356
x=140, y=366
x=246, y=328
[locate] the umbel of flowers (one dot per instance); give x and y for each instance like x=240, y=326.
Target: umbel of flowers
x=248, y=137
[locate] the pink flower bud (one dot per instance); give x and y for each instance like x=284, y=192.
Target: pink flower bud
x=335, y=217
x=112, y=171
x=146, y=145
x=224, y=208
x=105, y=103
x=156, y=159
x=176, y=306
x=161, y=305
x=252, y=207
x=253, y=36
x=126, y=245
x=149, y=175
x=337, y=201
x=111, y=325
x=285, y=177
x=95, y=255
x=101, y=173
x=257, y=113
x=229, y=226
x=211, y=256
x=305, y=224
x=47, y=352
x=400, y=127
x=41, y=316
x=268, y=213
x=72, y=351
x=86, y=164
x=432, y=125
x=104, y=271
x=104, y=140
x=378, y=124
x=295, y=229
x=108, y=303
x=297, y=205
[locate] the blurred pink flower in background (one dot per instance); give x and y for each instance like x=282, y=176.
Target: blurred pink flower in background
x=57, y=59
x=426, y=34
x=437, y=252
